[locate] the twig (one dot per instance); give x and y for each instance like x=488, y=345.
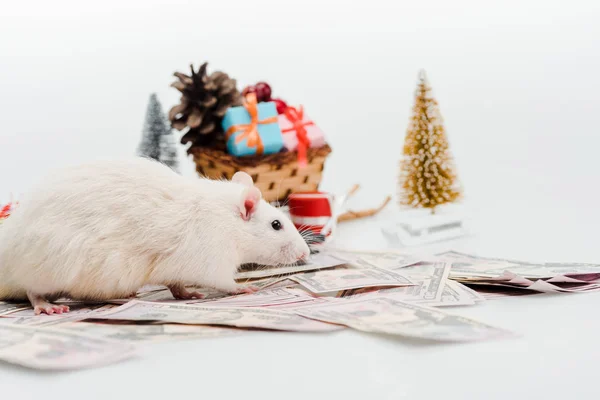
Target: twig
x=352, y=190
x=351, y=215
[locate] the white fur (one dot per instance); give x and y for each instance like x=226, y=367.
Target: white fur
x=103, y=230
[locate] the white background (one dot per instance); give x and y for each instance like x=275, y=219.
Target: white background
x=518, y=86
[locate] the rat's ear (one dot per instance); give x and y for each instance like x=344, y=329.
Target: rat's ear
x=249, y=202
x=243, y=178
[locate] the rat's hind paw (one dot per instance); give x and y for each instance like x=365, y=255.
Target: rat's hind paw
x=181, y=293
x=50, y=309
x=40, y=305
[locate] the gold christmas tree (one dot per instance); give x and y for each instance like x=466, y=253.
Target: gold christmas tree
x=427, y=175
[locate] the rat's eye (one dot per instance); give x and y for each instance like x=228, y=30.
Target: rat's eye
x=276, y=225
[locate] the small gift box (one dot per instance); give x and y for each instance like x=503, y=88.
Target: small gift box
x=252, y=128
x=299, y=132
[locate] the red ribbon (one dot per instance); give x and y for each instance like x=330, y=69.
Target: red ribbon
x=295, y=116
x=6, y=210
x=250, y=131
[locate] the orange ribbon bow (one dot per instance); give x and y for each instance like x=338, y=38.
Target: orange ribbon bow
x=295, y=116
x=250, y=131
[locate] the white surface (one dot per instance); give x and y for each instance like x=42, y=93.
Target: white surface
x=518, y=87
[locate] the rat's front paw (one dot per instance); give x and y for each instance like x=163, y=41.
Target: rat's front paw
x=181, y=293
x=245, y=289
x=234, y=288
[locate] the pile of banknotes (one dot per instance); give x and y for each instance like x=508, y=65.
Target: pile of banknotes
x=384, y=292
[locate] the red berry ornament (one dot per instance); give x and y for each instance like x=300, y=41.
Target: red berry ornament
x=263, y=91
x=280, y=105
x=249, y=89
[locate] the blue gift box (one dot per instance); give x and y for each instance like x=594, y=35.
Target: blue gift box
x=269, y=133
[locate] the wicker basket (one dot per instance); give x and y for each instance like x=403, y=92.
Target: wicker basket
x=276, y=175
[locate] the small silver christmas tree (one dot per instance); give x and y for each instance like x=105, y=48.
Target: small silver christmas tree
x=157, y=138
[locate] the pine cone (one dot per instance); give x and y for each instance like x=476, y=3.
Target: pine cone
x=204, y=101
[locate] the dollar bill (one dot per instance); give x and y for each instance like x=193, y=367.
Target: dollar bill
x=148, y=332
x=162, y=294
x=211, y=295
x=283, y=283
x=542, y=278
x=165, y=295
x=271, y=283
x=335, y=280
x=468, y=259
x=451, y=294
x=509, y=279
x=465, y=265
x=8, y=307
x=499, y=292
x=295, y=305
x=432, y=288
x=547, y=287
x=434, y=276
x=539, y=286
x=389, y=316
x=77, y=312
x=203, y=315
x=267, y=297
x=576, y=278
x=50, y=349
x=340, y=251
x=382, y=259
x=432, y=280
x=472, y=294
x=455, y=294
x=583, y=268
x=315, y=262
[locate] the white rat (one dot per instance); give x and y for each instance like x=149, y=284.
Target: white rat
x=103, y=230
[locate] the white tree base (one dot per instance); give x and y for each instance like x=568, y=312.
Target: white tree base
x=418, y=227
